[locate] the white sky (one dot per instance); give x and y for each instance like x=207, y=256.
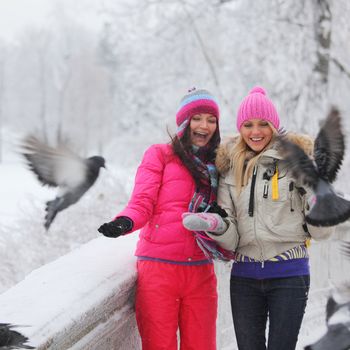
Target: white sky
x=16, y=15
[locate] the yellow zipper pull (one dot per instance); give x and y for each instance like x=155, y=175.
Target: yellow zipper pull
x=275, y=193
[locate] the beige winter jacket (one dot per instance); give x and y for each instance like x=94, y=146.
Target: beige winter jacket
x=276, y=225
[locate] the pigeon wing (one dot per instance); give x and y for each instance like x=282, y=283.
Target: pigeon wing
x=11, y=339
x=56, y=167
x=301, y=166
x=329, y=147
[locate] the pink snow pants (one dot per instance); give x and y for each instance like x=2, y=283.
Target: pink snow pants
x=171, y=297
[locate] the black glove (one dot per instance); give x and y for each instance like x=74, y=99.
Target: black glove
x=116, y=227
x=216, y=209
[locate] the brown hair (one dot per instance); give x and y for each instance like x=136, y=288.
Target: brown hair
x=184, y=150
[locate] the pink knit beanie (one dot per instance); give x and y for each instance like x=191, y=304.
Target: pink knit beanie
x=257, y=106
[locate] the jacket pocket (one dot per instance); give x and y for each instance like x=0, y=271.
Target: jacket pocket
x=162, y=230
x=284, y=216
x=285, y=225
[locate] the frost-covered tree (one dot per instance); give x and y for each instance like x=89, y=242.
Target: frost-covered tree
x=121, y=85
x=2, y=93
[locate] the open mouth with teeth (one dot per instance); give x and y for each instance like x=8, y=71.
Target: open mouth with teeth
x=200, y=138
x=256, y=139
x=200, y=135
x=257, y=143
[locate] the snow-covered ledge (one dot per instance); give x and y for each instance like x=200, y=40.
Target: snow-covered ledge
x=83, y=300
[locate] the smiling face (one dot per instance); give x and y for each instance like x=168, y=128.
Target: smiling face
x=202, y=128
x=256, y=133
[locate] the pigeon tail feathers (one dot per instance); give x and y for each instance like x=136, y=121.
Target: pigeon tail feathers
x=51, y=212
x=329, y=210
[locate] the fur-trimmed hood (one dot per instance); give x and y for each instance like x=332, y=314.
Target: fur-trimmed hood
x=226, y=149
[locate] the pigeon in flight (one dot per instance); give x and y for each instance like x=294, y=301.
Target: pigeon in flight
x=60, y=167
x=10, y=339
x=327, y=208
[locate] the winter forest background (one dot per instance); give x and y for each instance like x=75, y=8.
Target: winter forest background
x=107, y=77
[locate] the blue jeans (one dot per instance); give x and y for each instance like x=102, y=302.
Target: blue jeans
x=282, y=300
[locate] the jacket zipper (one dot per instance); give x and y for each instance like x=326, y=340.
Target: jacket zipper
x=252, y=192
x=251, y=210
x=291, y=189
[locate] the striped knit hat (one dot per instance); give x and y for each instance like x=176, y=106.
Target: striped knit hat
x=257, y=106
x=195, y=102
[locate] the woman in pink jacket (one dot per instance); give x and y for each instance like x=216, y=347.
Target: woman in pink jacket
x=176, y=285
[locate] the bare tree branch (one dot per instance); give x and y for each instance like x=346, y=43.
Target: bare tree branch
x=323, y=35
x=2, y=74
x=205, y=53
x=341, y=67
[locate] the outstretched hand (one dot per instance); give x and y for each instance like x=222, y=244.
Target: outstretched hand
x=117, y=227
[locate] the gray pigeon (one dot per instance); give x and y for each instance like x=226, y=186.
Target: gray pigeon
x=10, y=339
x=329, y=208
x=60, y=167
x=337, y=336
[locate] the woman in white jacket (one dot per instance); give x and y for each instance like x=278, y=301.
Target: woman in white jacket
x=265, y=227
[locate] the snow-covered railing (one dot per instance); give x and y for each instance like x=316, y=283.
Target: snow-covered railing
x=84, y=300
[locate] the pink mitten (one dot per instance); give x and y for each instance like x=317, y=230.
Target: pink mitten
x=204, y=222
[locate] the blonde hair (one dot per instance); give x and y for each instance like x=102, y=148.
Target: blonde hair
x=240, y=162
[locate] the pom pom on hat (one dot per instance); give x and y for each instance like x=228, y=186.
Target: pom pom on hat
x=257, y=106
x=257, y=89
x=195, y=102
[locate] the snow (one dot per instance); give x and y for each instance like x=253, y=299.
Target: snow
x=69, y=288
x=18, y=185
x=18, y=188
x=78, y=275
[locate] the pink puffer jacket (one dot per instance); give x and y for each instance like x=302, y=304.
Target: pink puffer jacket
x=163, y=190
